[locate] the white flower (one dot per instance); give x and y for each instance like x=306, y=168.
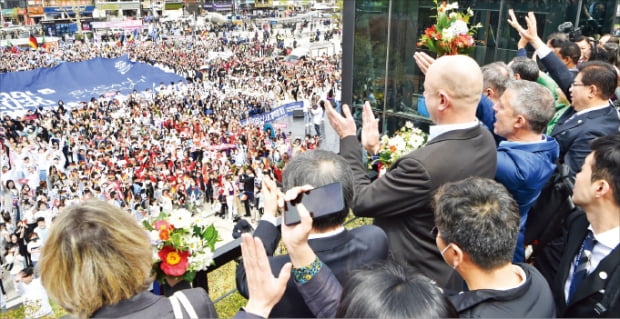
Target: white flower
x=416, y=141
x=453, y=15
x=181, y=218
x=194, y=243
x=398, y=142
x=453, y=5
x=470, y=12
x=409, y=125
x=385, y=139
x=201, y=260
x=447, y=34
x=200, y=221
x=154, y=235
x=458, y=27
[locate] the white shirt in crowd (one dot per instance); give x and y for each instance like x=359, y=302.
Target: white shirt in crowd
x=317, y=115
x=34, y=298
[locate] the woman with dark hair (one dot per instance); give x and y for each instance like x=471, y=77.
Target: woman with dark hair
x=26, y=193
x=397, y=292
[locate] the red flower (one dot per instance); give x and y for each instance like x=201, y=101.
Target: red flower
x=173, y=262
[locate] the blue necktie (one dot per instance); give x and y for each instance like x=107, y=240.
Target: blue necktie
x=582, y=264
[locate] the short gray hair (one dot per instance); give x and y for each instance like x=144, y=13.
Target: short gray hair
x=534, y=101
x=496, y=75
x=318, y=168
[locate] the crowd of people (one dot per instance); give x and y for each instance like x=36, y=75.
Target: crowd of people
x=178, y=145
x=450, y=233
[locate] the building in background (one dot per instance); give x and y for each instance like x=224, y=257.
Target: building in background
x=380, y=36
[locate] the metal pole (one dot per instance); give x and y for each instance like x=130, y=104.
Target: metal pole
x=578, y=15
x=499, y=28
x=387, y=66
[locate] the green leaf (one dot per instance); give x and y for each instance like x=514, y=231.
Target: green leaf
x=147, y=225
x=189, y=275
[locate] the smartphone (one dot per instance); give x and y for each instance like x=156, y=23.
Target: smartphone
x=321, y=201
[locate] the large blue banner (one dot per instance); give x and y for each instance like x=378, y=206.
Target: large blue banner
x=275, y=114
x=76, y=82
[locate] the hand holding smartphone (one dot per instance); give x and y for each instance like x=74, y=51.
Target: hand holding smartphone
x=325, y=200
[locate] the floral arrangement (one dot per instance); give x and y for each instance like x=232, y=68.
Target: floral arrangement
x=183, y=244
x=405, y=140
x=450, y=35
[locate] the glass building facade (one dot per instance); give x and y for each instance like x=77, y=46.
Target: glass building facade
x=380, y=38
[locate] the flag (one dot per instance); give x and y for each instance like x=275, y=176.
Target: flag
x=11, y=47
x=33, y=42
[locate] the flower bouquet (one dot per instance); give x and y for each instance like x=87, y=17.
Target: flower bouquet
x=451, y=34
x=183, y=244
x=405, y=140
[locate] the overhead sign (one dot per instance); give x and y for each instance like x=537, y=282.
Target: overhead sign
x=69, y=10
x=77, y=82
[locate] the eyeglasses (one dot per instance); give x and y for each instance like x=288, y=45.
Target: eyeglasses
x=578, y=84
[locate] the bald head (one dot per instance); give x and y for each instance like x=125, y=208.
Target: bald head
x=460, y=78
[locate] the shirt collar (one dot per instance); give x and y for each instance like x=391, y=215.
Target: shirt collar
x=327, y=234
x=609, y=238
x=436, y=130
x=590, y=109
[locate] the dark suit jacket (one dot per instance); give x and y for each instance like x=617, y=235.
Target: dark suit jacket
x=574, y=136
x=594, y=287
x=148, y=305
x=348, y=250
x=400, y=201
x=559, y=73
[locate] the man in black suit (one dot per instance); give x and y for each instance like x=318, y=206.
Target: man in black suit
x=458, y=147
x=342, y=250
x=587, y=283
x=591, y=114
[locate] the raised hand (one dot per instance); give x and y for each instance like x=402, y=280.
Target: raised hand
x=423, y=61
x=531, y=33
x=295, y=237
x=370, y=130
x=265, y=289
x=343, y=125
x=272, y=197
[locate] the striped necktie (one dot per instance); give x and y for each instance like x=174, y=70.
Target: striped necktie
x=582, y=263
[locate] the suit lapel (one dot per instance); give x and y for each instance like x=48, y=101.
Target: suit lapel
x=572, y=248
x=596, y=280
x=563, y=125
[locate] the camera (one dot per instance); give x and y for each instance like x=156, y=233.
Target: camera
x=573, y=32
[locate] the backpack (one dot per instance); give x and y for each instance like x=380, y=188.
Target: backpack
x=546, y=218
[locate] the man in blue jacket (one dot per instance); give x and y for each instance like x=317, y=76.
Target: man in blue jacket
x=526, y=160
